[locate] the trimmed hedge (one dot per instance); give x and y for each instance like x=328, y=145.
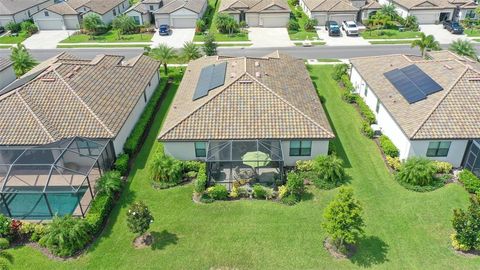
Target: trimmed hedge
x=99, y=210
x=133, y=141
x=367, y=129
x=121, y=164
x=388, y=147
x=470, y=181
x=365, y=111
x=200, y=183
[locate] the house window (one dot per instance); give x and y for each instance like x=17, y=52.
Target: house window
x=46, y=14
x=123, y=5
x=114, y=12
x=300, y=148
x=365, y=91
x=377, y=108
x=136, y=19
x=470, y=14
x=438, y=149
x=29, y=15
x=200, y=149
x=145, y=96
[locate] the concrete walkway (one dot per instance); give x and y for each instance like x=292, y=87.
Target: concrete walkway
x=47, y=39
x=269, y=37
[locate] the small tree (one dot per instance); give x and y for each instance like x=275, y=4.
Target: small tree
x=164, y=54
x=464, y=47
x=13, y=27
x=22, y=60
x=310, y=24
x=109, y=183
x=226, y=24
x=389, y=10
x=139, y=218
x=209, y=45
x=91, y=22
x=343, y=221
x=200, y=26
x=417, y=171
x=426, y=43
x=190, y=51
x=467, y=226
x=411, y=23
x=166, y=169
x=124, y=25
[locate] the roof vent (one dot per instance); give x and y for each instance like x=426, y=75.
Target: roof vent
x=77, y=68
x=48, y=79
x=245, y=82
x=448, y=67
x=476, y=79
x=258, y=75
x=257, y=64
x=233, y=75
x=69, y=75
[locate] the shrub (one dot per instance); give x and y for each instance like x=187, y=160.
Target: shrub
x=394, y=163
x=29, y=27
x=124, y=24
x=121, y=164
x=39, y=231
x=304, y=165
x=456, y=244
x=139, y=218
x=4, y=264
x=259, y=192
x=349, y=96
x=166, y=169
x=66, y=235
x=295, y=185
x=290, y=199
x=293, y=25
x=92, y=22
x=328, y=170
x=200, y=183
x=339, y=71
x=417, y=171
x=5, y=229
x=4, y=243
x=200, y=26
x=218, y=192
x=367, y=129
x=293, y=2
x=239, y=192
x=470, y=181
x=13, y=27
x=347, y=84
x=388, y=147
x=192, y=165
x=282, y=191
x=226, y=24
x=443, y=166
x=466, y=224
x=365, y=111
x=98, y=212
x=310, y=24
x=109, y=183
x=210, y=45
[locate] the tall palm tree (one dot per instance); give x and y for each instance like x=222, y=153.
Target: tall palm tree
x=464, y=47
x=390, y=11
x=22, y=60
x=426, y=43
x=190, y=51
x=164, y=54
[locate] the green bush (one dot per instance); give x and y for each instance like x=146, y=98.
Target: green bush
x=470, y=181
x=349, y=96
x=39, y=230
x=121, y=164
x=295, y=187
x=98, y=212
x=304, y=165
x=466, y=224
x=13, y=27
x=293, y=2
x=339, y=71
x=218, y=192
x=388, y=147
x=66, y=235
x=110, y=183
x=417, y=171
x=5, y=228
x=4, y=243
x=200, y=183
x=347, y=84
x=293, y=25
x=367, y=129
x=259, y=192
x=394, y=163
x=329, y=171
x=290, y=199
x=226, y=24
x=310, y=24
x=139, y=218
x=365, y=111
x=443, y=166
x=200, y=26
x=166, y=169
x=192, y=165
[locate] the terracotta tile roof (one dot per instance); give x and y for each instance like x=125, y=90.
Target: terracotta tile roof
x=254, y=5
x=62, y=8
x=372, y=4
x=5, y=63
x=10, y=7
x=74, y=97
x=330, y=5
x=140, y=7
x=447, y=114
x=97, y=6
x=174, y=5
x=259, y=100
x=434, y=4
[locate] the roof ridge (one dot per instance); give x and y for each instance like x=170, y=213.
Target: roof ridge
x=289, y=104
x=319, y=4
x=35, y=116
x=439, y=102
x=85, y=104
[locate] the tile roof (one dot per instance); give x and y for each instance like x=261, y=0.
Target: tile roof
x=259, y=100
x=62, y=8
x=74, y=97
x=372, y=4
x=330, y=5
x=435, y=4
x=5, y=63
x=97, y=6
x=449, y=114
x=254, y=5
x=140, y=7
x=10, y=7
x=174, y=5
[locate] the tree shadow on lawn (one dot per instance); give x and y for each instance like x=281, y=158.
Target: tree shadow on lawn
x=163, y=239
x=371, y=250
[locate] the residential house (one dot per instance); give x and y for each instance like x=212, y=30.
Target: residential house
x=428, y=108
x=142, y=12
x=263, y=13
x=339, y=10
x=69, y=14
x=434, y=11
x=20, y=10
x=7, y=74
x=180, y=13
x=242, y=113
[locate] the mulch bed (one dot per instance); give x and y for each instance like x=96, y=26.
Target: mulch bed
x=468, y=254
x=143, y=241
x=351, y=249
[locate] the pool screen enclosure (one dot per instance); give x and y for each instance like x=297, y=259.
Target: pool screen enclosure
x=40, y=182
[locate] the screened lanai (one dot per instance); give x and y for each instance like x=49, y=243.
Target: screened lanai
x=257, y=161
x=39, y=182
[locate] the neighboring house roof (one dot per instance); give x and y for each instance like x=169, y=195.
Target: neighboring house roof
x=97, y=6
x=62, y=8
x=5, y=63
x=269, y=97
x=448, y=114
x=74, y=97
x=330, y=6
x=170, y=6
x=435, y=4
x=254, y=5
x=139, y=7
x=372, y=4
x=10, y=7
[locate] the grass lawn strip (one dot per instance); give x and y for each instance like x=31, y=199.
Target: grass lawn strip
x=405, y=229
x=389, y=34
x=472, y=32
x=302, y=34
x=13, y=40
x=109, y=37
x=409, y=41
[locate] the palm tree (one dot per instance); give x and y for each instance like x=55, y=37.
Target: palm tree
x=164, y=54
x=190, y=51
x=426, y=43
x=22, y=60
x=390, y=11
x=109, y=183
x=464, y=47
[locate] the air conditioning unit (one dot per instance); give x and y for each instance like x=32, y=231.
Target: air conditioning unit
x=377, y=130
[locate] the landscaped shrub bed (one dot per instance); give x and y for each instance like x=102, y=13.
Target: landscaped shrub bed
x=121, y=164
x=420, y=174
x=466, y=224
x=470, y=181
x=388, y=147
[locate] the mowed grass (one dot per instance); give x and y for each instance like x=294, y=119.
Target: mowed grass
x=6, y=39
x=109, y=37
x=301, y=34
x=405, y=230
x=389, y=34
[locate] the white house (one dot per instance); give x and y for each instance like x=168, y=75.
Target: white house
x=180, y=13
x=65, y=97
x=19, y=11
x=263, y=13
x=339, y=10
x=428, y=108
x=7, y=74
x=69, y=14
x=434, y=11
x=142, y=11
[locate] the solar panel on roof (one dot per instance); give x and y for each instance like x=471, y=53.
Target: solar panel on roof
x=424, y=82
x=405, y=86
x=218, y=75
x=211, y=77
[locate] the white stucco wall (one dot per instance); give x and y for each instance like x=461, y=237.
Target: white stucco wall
x=181, y=150
x=135, y=114
x=455, y=153
x=318, y=148
x=7, y=76
x=24, y=15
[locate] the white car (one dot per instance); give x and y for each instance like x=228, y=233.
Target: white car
x=350, y=28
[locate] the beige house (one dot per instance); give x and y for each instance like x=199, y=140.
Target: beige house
x=339, y=10
x=19, y=11
x=180, y=13
x=263, y=13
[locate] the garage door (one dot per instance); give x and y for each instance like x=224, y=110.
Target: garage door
x=426, y=18
x=339, y=18
x=274, y=21
x=321, y=19
x=50, y=24
x=183, y=22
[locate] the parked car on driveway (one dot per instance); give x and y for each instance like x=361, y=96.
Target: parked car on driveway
x=350, y=28
x=333, y=28
x=164, y=30
x=453, y=27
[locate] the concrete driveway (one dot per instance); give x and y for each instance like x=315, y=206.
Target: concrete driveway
x=342, y=40
x=176, y=39
x=269, y=37
x=47, y=39
x=441, y=35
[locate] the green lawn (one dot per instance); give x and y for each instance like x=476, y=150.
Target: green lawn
x=13, y=40
x=379, y=42
x=212, y=28
x=110, y=36
x=405, y=230
x=302, y=34
x=389, y=34
x=472, y=32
